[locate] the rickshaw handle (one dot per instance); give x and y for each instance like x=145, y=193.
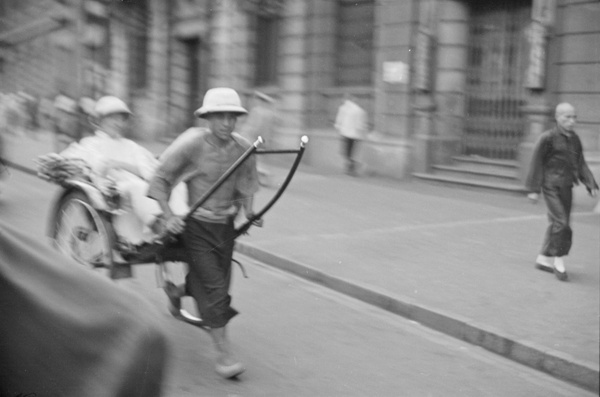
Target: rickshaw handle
x=244, y=227
x=224, y=177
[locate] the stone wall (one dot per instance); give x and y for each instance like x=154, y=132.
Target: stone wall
x=35, y=44
x=578, y=65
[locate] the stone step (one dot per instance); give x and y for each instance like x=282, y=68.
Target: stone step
x=514, y=187
x=475, y=171
x=486, y=163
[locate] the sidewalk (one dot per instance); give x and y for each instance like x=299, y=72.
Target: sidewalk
x=459, y=261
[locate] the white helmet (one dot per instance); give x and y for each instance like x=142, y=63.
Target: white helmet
x=219, y=100
x=108, y=105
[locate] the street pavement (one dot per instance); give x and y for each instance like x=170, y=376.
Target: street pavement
x=297, y=338
x=456, y=260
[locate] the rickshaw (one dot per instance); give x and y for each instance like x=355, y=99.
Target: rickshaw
x=81, y=223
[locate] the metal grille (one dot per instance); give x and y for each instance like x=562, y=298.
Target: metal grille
x=494, y=125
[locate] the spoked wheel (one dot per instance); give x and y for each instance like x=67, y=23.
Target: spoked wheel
x=83, y=233
x=170, y=276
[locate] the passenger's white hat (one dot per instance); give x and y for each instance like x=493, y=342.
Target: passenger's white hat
x=220, y=100
x=108, y=105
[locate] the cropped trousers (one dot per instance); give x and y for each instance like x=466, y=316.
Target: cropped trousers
x=209, y=250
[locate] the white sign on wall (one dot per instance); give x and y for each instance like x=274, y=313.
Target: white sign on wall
x=395, y=72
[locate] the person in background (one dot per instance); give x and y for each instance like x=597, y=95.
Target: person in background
x=200, y=156
x=556, y=166
x=263, y=121
x=351, y=123
x=30, y=106
x=85, y=107
x=65, y=122
x=64, y=332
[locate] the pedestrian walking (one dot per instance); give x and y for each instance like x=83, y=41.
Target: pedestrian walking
x=558, y=164
x=200, y=156
x=66, y=122
x=351, y=123
x=15, y=114
x=262, y=121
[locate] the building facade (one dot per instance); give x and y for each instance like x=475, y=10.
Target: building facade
x=438, y=78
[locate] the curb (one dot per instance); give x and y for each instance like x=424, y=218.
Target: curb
x=557, y=364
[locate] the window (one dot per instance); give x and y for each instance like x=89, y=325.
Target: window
x=267, y=35
x=355, y=42
x=134, y=17
x=138, y=44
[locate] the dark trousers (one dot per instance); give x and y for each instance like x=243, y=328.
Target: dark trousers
x=209, y=248
x=559, y=234
x=348, y=145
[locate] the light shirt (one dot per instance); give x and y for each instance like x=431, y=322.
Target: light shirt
x=351, y=120
x=196, y=158
x=99, y=149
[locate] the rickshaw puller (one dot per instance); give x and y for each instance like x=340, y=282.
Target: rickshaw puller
x=200, y=156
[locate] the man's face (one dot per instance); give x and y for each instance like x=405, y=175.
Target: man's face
x=566, y=118
x=114, y=124
x=221, y=124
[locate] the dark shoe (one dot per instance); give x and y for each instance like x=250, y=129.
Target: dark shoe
x=544, y=268
x=562, y=276
x=230, y=371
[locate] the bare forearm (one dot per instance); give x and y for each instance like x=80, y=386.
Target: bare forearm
x=248, y=205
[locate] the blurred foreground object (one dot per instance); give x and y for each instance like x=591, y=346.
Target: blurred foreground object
x=57, y=169
x=67, y=332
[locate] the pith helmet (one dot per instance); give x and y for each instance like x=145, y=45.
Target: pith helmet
x=108, y=105
x=219, y=100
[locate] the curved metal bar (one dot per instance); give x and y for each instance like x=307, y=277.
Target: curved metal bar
x=299, y=153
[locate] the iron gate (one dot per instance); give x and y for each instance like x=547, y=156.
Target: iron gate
x=495, y=92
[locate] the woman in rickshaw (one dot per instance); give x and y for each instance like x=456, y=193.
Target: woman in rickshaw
x=120, y=163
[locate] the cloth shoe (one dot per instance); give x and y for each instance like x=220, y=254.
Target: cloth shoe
x=230, y=371
x=544, y=263
x=559, y=269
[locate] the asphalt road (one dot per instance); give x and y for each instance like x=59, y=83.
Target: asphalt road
x=299, y=339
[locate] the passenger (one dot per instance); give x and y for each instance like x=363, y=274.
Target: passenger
x=114, y=159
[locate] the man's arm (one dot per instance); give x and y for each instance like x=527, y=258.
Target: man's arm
x=173, y=164
x=536, y=169
x=584, y=173
x=121, y=165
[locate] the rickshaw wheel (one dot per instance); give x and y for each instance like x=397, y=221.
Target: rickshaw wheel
x=170, y=276
x=83, y=233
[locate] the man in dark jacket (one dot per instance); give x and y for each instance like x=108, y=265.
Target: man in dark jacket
x=557, y=165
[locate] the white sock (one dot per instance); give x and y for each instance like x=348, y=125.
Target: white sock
x=559, y=264
x=544, y=260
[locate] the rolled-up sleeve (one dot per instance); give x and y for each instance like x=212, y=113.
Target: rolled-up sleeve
x=173, y=164
x=86, y=150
